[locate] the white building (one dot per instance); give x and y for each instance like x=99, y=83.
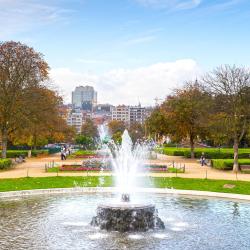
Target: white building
x=129, y=114
x=121, y=113
x=137, y=114
x=75, y=119
x=84, y=97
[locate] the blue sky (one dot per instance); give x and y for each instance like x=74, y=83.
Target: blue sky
x=122, y=45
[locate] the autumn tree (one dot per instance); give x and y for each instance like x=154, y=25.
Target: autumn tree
x=21, y=68
x=157, y=124
x=89, y=129
x=42, y=123
x=186, y=112
x=136, y=131
x=116, y=126
x=230, y=88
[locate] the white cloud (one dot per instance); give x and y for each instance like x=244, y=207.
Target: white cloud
x=129, y=86
x=23, y=15
x=170, y=4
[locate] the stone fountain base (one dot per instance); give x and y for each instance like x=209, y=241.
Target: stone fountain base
x=127, y=217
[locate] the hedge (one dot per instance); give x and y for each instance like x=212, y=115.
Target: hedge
x=24, y=153
x=227, y=164
x=210, y=153
x=5, y=163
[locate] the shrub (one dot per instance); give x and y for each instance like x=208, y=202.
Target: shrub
x=227, y=164
x=39, y=152
x=24, y=153
x=210, y=153
x=5, y=163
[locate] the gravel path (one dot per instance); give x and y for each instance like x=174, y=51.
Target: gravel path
x=35, y=167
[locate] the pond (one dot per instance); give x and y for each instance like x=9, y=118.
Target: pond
x=63, y=222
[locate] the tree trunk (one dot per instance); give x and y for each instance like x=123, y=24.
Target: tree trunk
x=4, y=143
x=236, y=155
x=192, y=146
x=35, y=142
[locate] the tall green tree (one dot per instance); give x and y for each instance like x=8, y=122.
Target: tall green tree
x=230, y=87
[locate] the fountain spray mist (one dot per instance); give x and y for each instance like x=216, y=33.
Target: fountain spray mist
x=125, y=215
x=127, y=159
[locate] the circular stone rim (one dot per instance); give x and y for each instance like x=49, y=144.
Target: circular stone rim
x=125, y=205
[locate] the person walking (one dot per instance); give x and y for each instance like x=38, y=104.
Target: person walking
x=63, y=154
x=203, y=160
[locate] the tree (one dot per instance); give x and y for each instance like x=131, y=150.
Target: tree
x=186, y=112
x=157, y=124
x=43, y=122
x=85, y=141
x=136, y=131
x=117, y=137
x=116, y=126
x=89, y=129
x=21, y=68
x=230, y=87
x=218, y=129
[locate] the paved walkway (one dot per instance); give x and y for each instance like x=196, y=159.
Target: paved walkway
x=35, y=167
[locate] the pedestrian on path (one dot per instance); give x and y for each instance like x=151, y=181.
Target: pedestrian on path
x=63, y=154
x=203, y=160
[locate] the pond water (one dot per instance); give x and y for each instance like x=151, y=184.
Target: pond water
x=62, y=222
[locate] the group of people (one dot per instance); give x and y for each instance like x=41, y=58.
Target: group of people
x=65, y=151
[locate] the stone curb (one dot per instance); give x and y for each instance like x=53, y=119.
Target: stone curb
x=79, y=190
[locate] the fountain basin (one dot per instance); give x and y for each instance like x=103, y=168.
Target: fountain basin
x=127, y=217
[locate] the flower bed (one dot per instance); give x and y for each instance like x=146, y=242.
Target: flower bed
x=77, y=168
x=96, y=167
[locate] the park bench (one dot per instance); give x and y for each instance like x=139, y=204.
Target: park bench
x=20, y=159
x=245, y=167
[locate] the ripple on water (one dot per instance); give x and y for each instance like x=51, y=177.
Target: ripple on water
x=63, y=222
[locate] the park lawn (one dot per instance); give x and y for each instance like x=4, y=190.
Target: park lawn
x=28, y=183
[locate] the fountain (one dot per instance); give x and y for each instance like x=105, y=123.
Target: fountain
x=124, y=215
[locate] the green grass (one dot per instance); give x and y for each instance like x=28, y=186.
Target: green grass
x=175, y=170
x=28, y=183
x=80, y=152
x=210, y=153
x=84, y=152
x=227, y=164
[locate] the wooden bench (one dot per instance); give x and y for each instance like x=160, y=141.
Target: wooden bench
x=245, y=167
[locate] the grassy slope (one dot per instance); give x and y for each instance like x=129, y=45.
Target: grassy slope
x=241, y=187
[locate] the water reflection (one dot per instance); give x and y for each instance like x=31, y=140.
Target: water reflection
x=62, y=222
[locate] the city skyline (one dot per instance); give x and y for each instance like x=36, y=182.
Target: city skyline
x=129, y=50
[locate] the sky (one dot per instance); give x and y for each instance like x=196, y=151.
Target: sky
x=130, y=50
